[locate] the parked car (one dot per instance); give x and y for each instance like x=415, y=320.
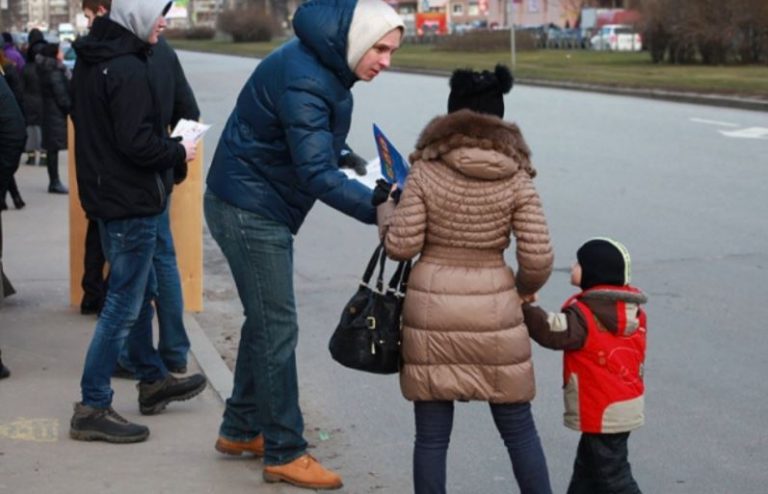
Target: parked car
x=616, y=37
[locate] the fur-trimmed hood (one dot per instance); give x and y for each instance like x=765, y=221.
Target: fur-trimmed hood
x=617, y=308
x=478, y=145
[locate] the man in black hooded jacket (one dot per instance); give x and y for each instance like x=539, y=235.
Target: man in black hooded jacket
x=177, y=101
x=125, y=163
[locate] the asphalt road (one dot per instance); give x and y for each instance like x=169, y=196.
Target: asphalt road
x=682, y=185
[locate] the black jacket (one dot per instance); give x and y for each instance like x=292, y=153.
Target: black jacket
x=54, y=88
x=176, y=98
x=13, y=78
x=33, y=98
x=124, y=156
x=174, y=93
x=12, y=134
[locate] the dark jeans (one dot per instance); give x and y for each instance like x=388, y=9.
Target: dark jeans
x=126, y=318
x=173, y=342
x=601, y=466
x=94, y=285
x=265, y=397
x=434, y=421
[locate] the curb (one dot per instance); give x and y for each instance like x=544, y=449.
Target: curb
x=720, y=100
x=211, y=364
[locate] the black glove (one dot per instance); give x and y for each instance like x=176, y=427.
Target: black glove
x=354, y=161
x=381, y=192
x=396, y=195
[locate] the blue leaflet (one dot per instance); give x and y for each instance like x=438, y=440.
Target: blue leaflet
x=393, y=167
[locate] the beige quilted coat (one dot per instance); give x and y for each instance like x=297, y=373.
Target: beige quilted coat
x=468, y=190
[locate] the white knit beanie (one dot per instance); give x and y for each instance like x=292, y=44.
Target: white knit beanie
x=371, y=20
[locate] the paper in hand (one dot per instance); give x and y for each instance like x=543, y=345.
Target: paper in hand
x=189, y=130
x=394, y=168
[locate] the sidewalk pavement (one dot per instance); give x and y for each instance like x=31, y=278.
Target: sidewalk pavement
x=44, y=340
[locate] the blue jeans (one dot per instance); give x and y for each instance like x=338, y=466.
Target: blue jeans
x=265, y=398
x=173, y=342
x=434, y=421
x=129, y=245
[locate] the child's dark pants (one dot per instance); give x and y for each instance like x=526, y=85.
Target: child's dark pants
x=601, y=466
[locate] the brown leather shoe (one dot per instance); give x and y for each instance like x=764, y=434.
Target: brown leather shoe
x=304, y=471
x=255, y=446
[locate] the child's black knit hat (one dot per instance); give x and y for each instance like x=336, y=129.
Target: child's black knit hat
x=482, y=92
x=604, y=261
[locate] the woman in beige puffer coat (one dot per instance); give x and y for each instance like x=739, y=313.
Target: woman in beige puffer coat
x=469, y=189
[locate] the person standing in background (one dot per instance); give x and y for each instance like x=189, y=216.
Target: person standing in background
x=33, y=100
x=12, y=52
x=11, y=145
x=12, y=76
x=54, y=87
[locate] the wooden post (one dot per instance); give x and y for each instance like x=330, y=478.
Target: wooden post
x=186, y=225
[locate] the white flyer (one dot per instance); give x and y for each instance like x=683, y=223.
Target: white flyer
x=189, y=130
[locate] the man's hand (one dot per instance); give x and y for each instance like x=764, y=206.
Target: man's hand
x=190, y=148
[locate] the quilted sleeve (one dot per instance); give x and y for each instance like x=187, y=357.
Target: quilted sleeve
x=533, y=247
x=408, y=223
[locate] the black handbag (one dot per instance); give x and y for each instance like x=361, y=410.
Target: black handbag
x=367, y=337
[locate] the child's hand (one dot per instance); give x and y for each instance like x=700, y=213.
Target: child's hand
x=529, y=299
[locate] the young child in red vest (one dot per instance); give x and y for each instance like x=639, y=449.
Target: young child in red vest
x=602, y=330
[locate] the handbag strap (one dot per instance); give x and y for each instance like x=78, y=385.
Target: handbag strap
x=372, y=264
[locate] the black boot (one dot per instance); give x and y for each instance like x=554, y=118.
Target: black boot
x=104, y=424
x=57, y=188
x=4, y=372
x=154, y=396
x=13, y=189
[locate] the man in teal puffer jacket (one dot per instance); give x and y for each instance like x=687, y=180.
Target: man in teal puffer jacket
x=278, y=153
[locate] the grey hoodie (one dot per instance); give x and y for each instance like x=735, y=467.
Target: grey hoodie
x=138, y=16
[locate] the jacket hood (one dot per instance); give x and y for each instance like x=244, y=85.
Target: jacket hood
x=477, y=145
x=322, y=26
x=617, y=308
x=107, y=40
x=138, y=16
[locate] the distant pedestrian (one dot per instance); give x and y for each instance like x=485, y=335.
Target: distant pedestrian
x=463, y=338
x=33, y=100
x=12, y=51
x=12, y=76
x=11, y=145
x=54, y=87
x=125, y=161
x=602, y=330
x=279, y=152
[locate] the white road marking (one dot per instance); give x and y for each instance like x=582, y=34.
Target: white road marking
x=713, y=122
x=747, y=133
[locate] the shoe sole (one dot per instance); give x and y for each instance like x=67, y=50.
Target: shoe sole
x=101, y=436
x=160, y=406
x=274, y=477
x=237, y=452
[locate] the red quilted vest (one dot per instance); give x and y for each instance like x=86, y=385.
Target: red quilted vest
x=609, y=367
